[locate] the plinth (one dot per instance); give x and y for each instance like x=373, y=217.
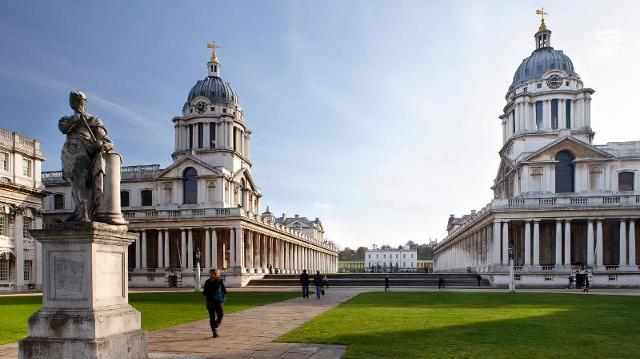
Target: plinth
x=85, y=312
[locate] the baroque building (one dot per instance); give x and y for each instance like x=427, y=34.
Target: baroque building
x=561, y=203
x=204, y=207
x=391, y=260
x=21, y=194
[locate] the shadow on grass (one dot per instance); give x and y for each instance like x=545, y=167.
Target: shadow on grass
x=575, y=327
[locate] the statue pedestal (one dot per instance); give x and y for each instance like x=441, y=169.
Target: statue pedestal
x=85, y=312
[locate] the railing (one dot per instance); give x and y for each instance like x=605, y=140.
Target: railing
x=52, y=177
x=577, y=201
x=612, y=268
x=517, y=268
x=140, y=172
x=548, y=268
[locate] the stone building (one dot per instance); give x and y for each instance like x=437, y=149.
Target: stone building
x=391, y=259
x=204, y=207
x=21, y=194
x=560, y=201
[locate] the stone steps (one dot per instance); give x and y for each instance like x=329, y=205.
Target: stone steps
x=377, y=280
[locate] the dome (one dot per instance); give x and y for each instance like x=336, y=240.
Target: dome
x=541, y=61
x=215, y=89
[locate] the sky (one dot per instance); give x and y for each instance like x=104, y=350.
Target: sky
x=379, y=117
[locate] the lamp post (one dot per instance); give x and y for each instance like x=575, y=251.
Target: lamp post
x=512, y=284
x=197, y=281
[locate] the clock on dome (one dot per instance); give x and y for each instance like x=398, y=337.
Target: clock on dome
x=554, y=81
x=201, y=106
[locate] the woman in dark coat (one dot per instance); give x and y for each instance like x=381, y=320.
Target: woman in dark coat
x=215, y=293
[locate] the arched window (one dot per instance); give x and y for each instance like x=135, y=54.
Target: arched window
x=124, y=198
x=565, y=172
x=146, y=198
x=189, y=186
x=58, y=201
x=625, y=181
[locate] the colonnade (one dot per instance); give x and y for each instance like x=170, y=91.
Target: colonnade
x=245, y=250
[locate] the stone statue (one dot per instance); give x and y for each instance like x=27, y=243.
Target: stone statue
x=90, y=165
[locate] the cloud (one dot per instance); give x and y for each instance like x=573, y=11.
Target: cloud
x=322, y=206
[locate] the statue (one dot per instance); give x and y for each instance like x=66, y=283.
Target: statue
x=90, y=165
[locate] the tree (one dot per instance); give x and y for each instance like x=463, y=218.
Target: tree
x=359, y=256
x=385, y=246
x=346, y=254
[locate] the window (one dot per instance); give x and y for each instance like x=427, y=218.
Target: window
x=190, y=135
x=565, y=172
x=26, y=226
x=189, y=186
x=625, y=181
x=554, y=114
x=513, y=121
x=4, y=269
x=28, y=265
x=242, y=189
x=4, y=224
x=58, y=201
x=538, y=114
x=26, y=168
x=200, y=134
x=212, y=135
x=567, y=109
x=4, y=161
x=235, y=135
x=539, y=85
x=146, y=197
x=124, y=198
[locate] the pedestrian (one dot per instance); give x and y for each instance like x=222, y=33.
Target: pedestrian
x=440, y=282
x=386, y=284
x=479, y=279
x=215, y=294
x=585, y=286
x=317, y=280
x=304, y=282
x=325, y=281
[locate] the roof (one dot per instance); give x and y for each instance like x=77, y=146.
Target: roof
x=542, y=60
x=214, y=89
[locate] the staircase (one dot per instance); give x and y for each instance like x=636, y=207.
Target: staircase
x=451, y=280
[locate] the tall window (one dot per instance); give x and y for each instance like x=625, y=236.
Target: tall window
x=538, y=114
x=625, y=181
x=124, y=198
x=4, y=269
x=200, y=134
x=567, y=116
x=513, y=121
x=189, y=186
x=565, y=172
x=26, y=226
x=190, y=135
x=4, y=161
x=26, y=168
x=212, y=135
x=554, y=114
x=28, y=265
x=235, y=137
x=58, y=201
x=4, y=224
x=146, y=197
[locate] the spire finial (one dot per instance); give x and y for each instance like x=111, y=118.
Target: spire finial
x=213, y=46
x=213, y=66
x=542, y=13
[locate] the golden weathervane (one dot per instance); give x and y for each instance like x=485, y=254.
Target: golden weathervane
x=542, y=13
x=213, y=46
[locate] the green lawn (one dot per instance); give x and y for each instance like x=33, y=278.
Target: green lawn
x=479, y=325
x=159, y=310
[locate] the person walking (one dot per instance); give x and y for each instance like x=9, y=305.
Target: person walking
x=318, y=281
x=440, y=283
x=215, y=294
x=304, y=282
x=386, y=284
x=585, y=286
x=479, y=279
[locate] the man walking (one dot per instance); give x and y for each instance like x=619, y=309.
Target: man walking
x=479, y=279
x=317, y=280
x=304, y=282
x=386, y=284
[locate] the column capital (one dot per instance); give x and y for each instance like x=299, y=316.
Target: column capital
x=537, y=220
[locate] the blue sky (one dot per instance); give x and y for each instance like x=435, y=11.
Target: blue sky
x=379, y=117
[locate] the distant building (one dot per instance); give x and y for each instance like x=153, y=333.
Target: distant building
x=386, y=260
x=21, y=194
x=350, y=266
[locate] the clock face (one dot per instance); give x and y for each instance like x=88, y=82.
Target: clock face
x=554, y=81
x=201, y=106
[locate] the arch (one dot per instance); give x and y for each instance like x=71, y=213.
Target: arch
x=626, y=181
x=565, y=172
x=189, y=186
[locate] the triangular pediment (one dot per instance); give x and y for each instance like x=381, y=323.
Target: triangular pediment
x=244, y=173
x=581, y=150
x=176, y=168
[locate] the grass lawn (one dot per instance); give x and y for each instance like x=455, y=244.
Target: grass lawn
x=479, y=325
x=159, y=310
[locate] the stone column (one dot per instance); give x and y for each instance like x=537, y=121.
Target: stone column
x=239, y=248
x=190, y=249
x=632, y=244
x=232, y=246
x=567, y=243
x=257, y=254
x=214, y=249
x=505, y=243
x=536, y=242
x=167, y=259
x=263, y=253
x=558, y=244
x=160, y=248
x=623, y=242
x=590, y=240
x=144, y=249
x=207, y=247
x=19, y=248
x=38, y=273
x=527, y=243
x=271, y=252
x=183, y=249
x=495, y=241
x=138, y=248
x=599, y=248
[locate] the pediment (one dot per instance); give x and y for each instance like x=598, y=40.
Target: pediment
x=581, y=150
x=176, y=169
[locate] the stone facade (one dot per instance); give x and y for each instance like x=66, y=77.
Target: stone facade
x=21, y=194
x=383, y=260
x=204, y=207
x=562, y=203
